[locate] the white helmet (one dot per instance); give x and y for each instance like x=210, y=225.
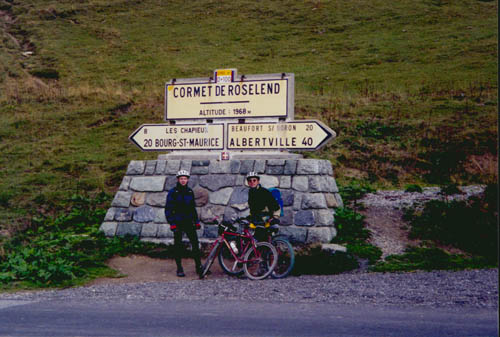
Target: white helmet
x=182, y=173
x=252, y=174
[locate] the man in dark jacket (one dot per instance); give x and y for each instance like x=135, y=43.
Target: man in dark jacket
x=261, y=202
x=181, y=214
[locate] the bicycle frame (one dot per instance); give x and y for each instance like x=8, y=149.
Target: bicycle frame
x=249, y=242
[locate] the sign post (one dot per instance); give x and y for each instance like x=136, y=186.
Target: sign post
x=251, y=113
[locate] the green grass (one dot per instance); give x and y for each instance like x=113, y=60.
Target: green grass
x=410, y=88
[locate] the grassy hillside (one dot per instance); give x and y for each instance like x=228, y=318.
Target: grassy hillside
x=409, y=86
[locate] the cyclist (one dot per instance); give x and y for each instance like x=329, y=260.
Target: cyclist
x=263, y=206
x=181, y=214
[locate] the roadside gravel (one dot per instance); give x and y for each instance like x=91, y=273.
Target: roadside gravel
x=443, y=289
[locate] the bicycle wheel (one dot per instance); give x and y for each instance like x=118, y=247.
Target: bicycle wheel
x=286, y=258
x=210, y=259
x=228, y=263
x=260, y=261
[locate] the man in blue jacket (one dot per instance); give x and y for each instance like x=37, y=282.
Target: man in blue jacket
x=181, y=214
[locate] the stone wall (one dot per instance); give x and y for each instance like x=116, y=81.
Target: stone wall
x=308, y=188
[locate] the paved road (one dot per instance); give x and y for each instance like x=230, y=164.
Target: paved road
x=236, y=318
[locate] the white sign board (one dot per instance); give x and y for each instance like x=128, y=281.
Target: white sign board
x=230, y=96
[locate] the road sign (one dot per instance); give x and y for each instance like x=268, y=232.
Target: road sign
x=165, y=137
x=227, y=95
x=293, y=135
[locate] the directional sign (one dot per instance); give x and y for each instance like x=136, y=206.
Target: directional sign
x=165, y=137
x=294, y=135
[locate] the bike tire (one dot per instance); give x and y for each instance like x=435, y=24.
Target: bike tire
x=228, y=263
x=205, y=267
x=286, y=258
x=260, y=261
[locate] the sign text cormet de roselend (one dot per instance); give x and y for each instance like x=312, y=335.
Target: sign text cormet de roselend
x=227, y=95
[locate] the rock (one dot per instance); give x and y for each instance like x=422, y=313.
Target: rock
x=138, y=199
x=164, y=231
x=246, y=166
x=269, y=181
x=147, y=184
x=199, y=170
x=307, y=166
x=110, y=214
x=287, y=218
x=234, y=166
x=186, y=165
x=323, y=217
x=122, y=199
x=333, y=248
x=136, y=167
x=160, y=167
x=150, y=167
x=129, y=228
x=294, y=234
x=125, y=183
x=157, y=199
x=108, y=228
x=218, y=181
x=274, y=170
x=219, y=167
x=285, y=182
x=123, y=214
x=144, y=214
x=260, y=166
x=159, y=215
x=313, y=200
x=200, y=196
x=319, y=234
x=209, y=212
x=304, y=218
x=331, y=201
x=290, y=167
x=288, y=197
x=300, y=183
x=172, y=166
x=239, y=196
x=149, y=230
x=221, y=197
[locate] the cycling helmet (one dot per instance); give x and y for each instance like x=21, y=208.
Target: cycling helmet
x=182, y=173
x=252, y=174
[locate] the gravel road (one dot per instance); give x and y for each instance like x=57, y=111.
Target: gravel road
x=439, y=289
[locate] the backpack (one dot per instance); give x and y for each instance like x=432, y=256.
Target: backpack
x=277, y=195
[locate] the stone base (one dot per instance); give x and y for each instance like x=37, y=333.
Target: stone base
x=309, y=192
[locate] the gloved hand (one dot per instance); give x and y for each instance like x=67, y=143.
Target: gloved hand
x=275, y=221
x=173, y=227
x=197, y=226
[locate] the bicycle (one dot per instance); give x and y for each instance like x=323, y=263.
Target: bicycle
x=258, y=259
x=286, y=254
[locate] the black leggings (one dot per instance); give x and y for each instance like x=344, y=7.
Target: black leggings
x=178, y=246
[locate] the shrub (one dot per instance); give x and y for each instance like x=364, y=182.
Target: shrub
x=353, y=192
x=313, y=260
x=471, y=226
x=413, y=188
x=59, y=251
x=365, y=251
x=350, y=226
x=424, y=258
